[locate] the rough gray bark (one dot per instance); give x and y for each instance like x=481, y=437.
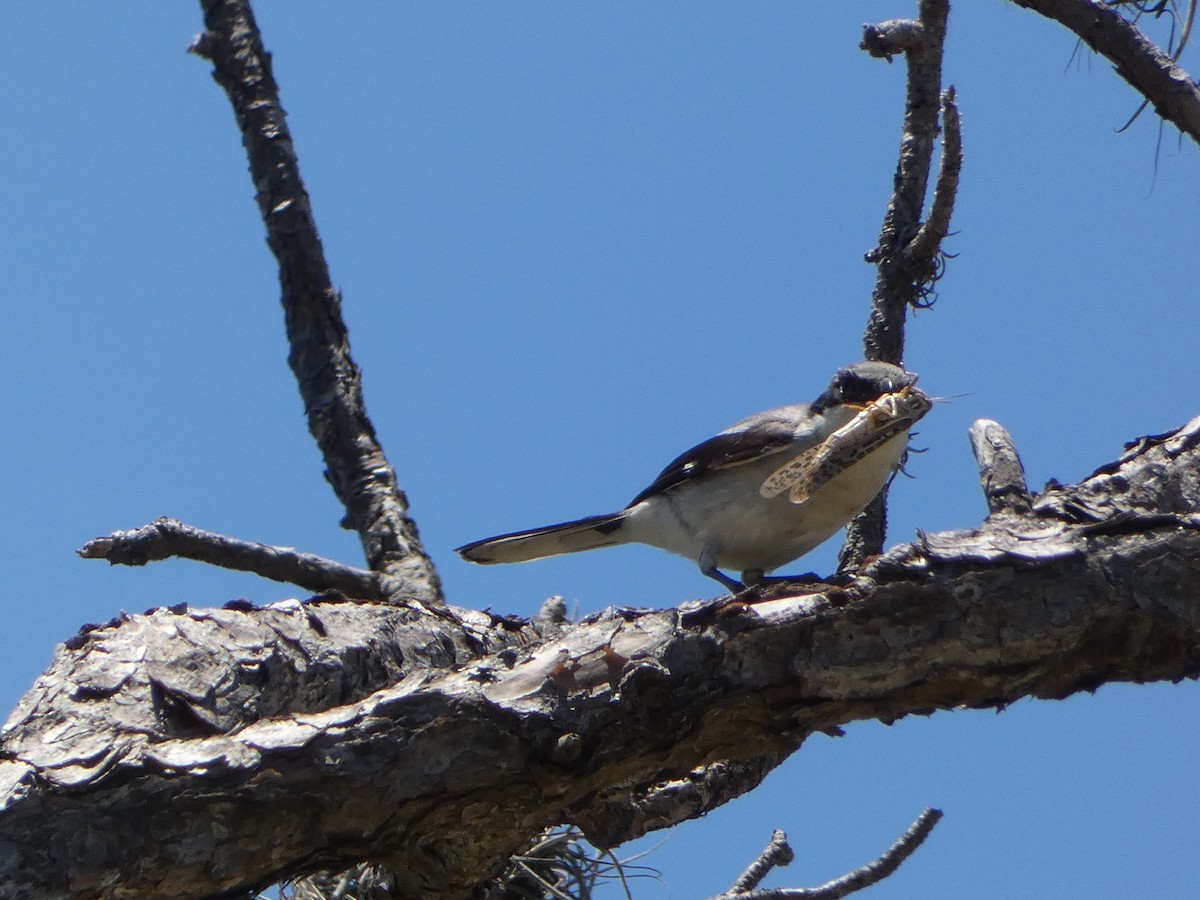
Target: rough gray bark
x=1000, y=471
x=908, y=256
x=902, y=279
x=165, y=538
x=329, y=380
x=201, y=753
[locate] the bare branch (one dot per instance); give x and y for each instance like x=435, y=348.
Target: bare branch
x=778, y=852
x=889, y=862
x=1144, y=65
x=900, y=280
x=1000, y=469
x=166, y=538
x=927, y=244
x=908, y=256
x=330, y=382
x=865, y=535
x=872, y=873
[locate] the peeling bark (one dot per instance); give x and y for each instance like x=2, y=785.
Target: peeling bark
x=193, y=753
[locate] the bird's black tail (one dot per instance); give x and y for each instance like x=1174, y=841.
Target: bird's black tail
x=553, y=540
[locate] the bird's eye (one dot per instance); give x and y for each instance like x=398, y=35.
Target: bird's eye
x=858, y=390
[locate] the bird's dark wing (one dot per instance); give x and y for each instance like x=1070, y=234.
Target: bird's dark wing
x=758, y=436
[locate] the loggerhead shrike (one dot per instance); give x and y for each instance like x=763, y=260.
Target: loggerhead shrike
x=759, y=494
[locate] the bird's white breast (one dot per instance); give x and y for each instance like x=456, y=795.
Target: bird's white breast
x=725, y=511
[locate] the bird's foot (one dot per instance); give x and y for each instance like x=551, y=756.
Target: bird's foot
x=760, y=587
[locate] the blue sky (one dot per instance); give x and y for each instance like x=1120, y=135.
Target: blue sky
x=574, y=240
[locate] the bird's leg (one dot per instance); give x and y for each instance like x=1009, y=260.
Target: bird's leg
x=708, y=566
x=731, y=584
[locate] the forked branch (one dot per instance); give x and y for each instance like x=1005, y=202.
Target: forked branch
x=908, y=257
x=779, y=853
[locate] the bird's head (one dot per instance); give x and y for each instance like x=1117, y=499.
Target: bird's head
x=862, y=383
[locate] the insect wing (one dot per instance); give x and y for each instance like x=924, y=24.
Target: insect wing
x=792, y=474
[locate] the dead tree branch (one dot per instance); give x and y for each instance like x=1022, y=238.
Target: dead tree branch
x=169, y=538
x=1147, y=68
x=194, y=753
x=902, y=278
x=908, y=257
x=1000, y=469
x=778, y=852
x=330, y=382
x=926, y=245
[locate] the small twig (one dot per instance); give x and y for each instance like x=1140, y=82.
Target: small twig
x=562, y=864
x=777, y=853
x=1185, y=33
x=872, y=873
x=619, y=868
x=542, y=883
x=165, y=538
x=329, y=380
x=343, y=884
x=1000, y=471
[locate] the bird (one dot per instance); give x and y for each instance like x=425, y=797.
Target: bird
x=759, y=494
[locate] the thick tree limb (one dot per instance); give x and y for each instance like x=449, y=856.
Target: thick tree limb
x=1148, y=69
x=177, y=673
x=330, y=382
x=188, y=754
x=169, y=538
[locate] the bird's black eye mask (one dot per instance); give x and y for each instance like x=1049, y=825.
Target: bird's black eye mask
x=862, y=388
x=854, y=389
